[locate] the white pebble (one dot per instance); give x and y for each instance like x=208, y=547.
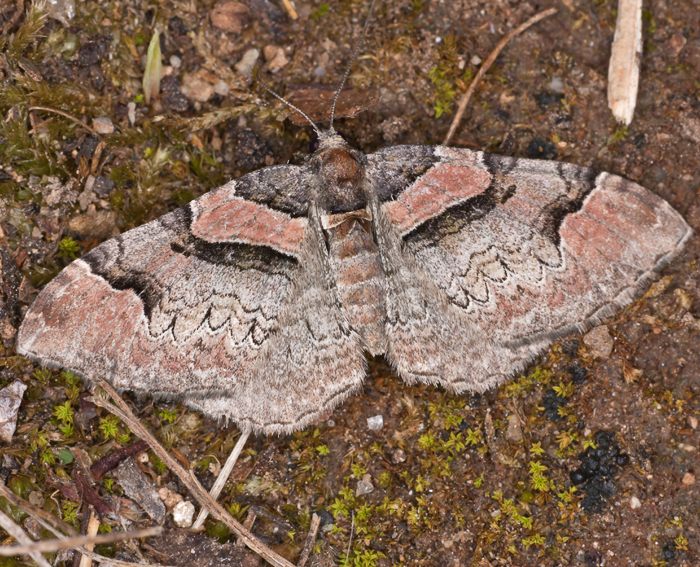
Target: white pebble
x=183, y=514
x=375, y=423
x=635, y=503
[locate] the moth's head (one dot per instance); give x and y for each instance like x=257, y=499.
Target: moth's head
x=338, y=163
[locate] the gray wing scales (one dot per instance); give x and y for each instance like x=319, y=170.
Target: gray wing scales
x=511, y=254
x=312, y=364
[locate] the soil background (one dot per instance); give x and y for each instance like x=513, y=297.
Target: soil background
x=589, y=458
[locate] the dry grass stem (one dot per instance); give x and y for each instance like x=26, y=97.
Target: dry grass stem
x=290, y=9
x=486, y=65
x=223, y=476
x=65, y=115
x=123, y=412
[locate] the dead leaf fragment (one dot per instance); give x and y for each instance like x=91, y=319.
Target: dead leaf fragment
x=140, y=489
x=316, y=101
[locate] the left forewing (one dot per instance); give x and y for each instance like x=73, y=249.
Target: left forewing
x=181, y=304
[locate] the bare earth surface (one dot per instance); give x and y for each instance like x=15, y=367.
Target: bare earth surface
x=590, y=459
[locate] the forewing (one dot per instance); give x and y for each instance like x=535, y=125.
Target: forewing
x=508, y=254
x=181, y=304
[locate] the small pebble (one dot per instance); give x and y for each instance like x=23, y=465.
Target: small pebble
x=364, y=486
x=103, y=125
x=556, y=85
x=688, y=479
x=513, y=432
x=10, y=400
x=175, y=61
x=247, y=63
x=475, y=60
x=131, y=112
x=398, y=456
x=375, y=423
x=635, y=503
x=599, y=341
x=183, y=514
x=693, y=422
x=197, y=86
x=221, y=88
x=169, y=497
x=275, y=57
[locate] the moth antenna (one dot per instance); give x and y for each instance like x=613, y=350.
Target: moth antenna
x=355, y=52
x=290, y=105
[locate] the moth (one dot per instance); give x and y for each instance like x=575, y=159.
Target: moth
x=258, y=302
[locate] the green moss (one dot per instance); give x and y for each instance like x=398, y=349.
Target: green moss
x=321, y=11
x=445, y=91
x=68, y=248
x=620, y=133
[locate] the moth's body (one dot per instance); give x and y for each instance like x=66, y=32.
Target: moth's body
x=259, y=301
x=354, y=257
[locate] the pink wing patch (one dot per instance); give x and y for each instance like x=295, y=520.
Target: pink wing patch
x=221, y=216
x=440, y=188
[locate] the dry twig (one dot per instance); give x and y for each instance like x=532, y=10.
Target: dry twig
x=290, y=9
x=310, y=540
x=7, y=524
x=487, y=64
x=58, y=527
x=113, y=459
x=92, y=527
x=223, y=476
x=123, y=412
x=248, y=524
x=55, y=525
x=52, y=545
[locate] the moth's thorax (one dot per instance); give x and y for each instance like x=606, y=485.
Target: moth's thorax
x=342, y=174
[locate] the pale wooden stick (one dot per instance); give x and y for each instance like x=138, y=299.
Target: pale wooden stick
x=625, y=59
x=52, y=545
x=123, y=412
x=7, y=524
x=92, y=527
x=486, y=65
x=310, y=540
x=248, y=523
x=115, y=562
x=290, y=9
x=223, y=476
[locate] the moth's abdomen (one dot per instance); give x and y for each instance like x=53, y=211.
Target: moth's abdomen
x=360, y=279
